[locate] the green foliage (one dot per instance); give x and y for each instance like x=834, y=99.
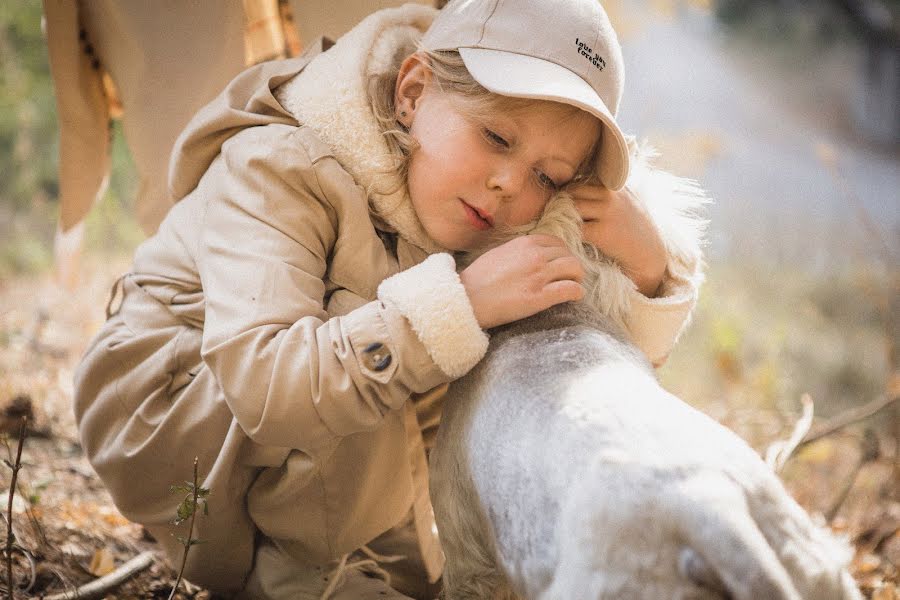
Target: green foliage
x=21, y=251
x=28, y=132
x=29, y=150
x=195, y=497
x=191, y=503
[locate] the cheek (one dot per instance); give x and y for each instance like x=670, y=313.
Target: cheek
x=528, y=208
x=447, y=141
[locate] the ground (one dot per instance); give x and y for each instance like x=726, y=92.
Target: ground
x=64, y=518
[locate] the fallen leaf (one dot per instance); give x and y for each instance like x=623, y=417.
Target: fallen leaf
x=102, y=563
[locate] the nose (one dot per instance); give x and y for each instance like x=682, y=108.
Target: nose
x=505, y=180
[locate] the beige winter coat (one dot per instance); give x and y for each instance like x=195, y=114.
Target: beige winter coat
x=285, y=322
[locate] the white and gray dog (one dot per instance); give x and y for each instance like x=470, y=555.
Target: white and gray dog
x=564, y=471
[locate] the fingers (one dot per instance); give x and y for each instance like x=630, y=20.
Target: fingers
x=553, y=261
x=588, y=192
x=593, y=202
x=520, y=278
x=558, y=292
x=545, y=240
x=565, y=267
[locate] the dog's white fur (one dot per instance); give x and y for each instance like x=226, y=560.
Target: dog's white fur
x=563, y=471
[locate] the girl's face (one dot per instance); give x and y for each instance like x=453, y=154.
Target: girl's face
x=470, y=176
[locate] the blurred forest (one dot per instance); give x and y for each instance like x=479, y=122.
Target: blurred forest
x=793, y=307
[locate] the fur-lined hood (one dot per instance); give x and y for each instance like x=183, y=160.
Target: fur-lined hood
x=339, y=111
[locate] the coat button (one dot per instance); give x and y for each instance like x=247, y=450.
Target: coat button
x=376, y=357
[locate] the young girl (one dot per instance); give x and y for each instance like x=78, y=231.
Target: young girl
x=298, y=314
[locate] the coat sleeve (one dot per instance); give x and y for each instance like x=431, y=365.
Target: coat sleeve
x=674, y=204
x=292, y=376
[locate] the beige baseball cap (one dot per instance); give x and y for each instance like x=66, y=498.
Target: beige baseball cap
x=560, y=50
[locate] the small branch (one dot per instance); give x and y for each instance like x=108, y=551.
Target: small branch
x=190, y=535
x=10, y=538
x=778, y=453
x=846, y=418
x=99, y=587
x=31, y=566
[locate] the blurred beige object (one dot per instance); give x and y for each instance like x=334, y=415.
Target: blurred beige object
x=67, y=248
x=153, y=65
x=164, y=59
x=333, y=19
x=264, y=37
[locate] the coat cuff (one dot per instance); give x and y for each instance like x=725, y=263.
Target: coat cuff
x=434, y=301
x=655, y=324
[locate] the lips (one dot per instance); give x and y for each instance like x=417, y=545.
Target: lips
x=477, y=218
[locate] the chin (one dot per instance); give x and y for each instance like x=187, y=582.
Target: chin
x=448, y=240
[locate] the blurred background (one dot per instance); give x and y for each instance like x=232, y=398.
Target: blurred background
x=787, y=112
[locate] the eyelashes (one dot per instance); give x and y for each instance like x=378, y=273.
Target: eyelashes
x=546, y=181
x=497, y=140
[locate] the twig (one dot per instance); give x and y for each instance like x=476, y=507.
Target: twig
x=31, y=565
x=848, y=418
x=778, y=453
x=10, y=538
x=99, y=587
x=189, y=541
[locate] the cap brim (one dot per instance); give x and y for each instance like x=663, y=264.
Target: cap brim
x=521, y=76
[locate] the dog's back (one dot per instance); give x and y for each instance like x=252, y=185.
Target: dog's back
x=563, y=470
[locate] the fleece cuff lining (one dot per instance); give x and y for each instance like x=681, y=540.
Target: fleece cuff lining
x=434, y=301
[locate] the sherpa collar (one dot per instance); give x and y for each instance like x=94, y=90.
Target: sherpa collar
x=330, y=96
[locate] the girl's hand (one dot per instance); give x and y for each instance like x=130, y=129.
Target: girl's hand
x=520, y=278
x=620, y=226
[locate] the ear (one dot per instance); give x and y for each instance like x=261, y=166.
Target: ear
x=412, y=80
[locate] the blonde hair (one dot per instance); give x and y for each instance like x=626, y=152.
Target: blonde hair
x=450, y=75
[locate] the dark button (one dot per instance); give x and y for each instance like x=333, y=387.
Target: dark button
x=376, y=357
x=89, y=49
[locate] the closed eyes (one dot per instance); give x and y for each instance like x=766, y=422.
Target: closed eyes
x=495, y=138
x=499, y=141
x=546, y=180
